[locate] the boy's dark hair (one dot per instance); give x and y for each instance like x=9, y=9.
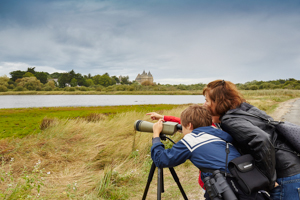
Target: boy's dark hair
x=197, y=115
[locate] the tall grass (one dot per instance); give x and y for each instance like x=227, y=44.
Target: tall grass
x=23, y=121
x=96, y=157
x=83, y=159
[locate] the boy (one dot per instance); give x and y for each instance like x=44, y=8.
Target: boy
x=203, y=144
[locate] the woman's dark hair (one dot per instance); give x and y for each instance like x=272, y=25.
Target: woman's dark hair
x=224, y=94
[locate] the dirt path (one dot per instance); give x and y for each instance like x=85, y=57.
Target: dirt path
x=288, y=111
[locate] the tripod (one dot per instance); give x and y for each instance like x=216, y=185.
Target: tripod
x=160, y=178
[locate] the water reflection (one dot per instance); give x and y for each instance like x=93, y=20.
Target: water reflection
x=26, y=101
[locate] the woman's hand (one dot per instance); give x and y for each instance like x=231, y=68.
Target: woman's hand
x=155, y=116
x=157, y=128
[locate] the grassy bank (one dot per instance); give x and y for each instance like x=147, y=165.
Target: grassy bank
x=23, y=121
x=94, y=153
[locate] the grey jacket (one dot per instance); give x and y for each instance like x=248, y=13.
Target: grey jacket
x=255, y=136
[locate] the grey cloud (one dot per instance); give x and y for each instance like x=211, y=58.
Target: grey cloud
x=179, y=43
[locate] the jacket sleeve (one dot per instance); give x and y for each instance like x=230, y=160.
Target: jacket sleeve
x=162, y=157
x=251, y=139
x=172, y=119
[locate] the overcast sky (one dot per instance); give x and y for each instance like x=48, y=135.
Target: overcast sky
x=187, y=41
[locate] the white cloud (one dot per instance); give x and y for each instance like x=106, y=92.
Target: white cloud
x=6, y=67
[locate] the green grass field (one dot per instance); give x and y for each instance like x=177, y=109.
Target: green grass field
x=23, y=121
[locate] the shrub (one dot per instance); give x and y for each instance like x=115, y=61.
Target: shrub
x=253, y=87
x=110, y=89
x=146, y=83
x=70, y=89
x=31, y=83
x=11, y=86
x=131, y=88
x=3, y=88
x=47, y=88
x=19, y=88
x=99, y=89
x=83, y=88
x=57, y=89
x=38, y=88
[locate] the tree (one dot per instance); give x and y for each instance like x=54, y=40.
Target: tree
x=50, y=84
x=125, y=80
x=31, y=70
x=105, y=80
x=55, y=75
x=80, y=79
x=71, y=75
x=16, y=75
x=28, y=74
x=116, y=79
x=89, y=82
x=73, y=82
x=42, y=76
x=96, y=79
x=63, y=80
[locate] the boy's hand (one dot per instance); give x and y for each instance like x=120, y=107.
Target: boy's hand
x=157, y=128
x=155, y=116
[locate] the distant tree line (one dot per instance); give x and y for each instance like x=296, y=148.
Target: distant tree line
x=290, y=83
x=71, y=81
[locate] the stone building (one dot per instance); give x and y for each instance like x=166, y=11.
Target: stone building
x=144, y=77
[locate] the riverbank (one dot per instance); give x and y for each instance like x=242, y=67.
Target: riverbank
x=77, y=92
x=246, y=93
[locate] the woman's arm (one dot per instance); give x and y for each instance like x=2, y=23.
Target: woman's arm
x=251, y=139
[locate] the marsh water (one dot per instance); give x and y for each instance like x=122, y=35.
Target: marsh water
x=27, y=101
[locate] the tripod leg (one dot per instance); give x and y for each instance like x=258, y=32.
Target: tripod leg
x=150, y=176
x=159, y=182
x=176, y=179
x=162, y=181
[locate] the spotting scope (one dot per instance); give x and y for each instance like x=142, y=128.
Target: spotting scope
x=169, y=128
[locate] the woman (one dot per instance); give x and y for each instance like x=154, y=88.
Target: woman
x=255, y=136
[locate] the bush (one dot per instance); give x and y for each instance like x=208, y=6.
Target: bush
x=83, y=88
x=19, y=88
x=47, y=88
x=146, y=83
x=38, y=89
x=131, y=88
x=3, y=88
x=99, y=88
x=11, y=86
x=57, y=89
x=69, y=89
x=253, y=87
x=120, y=87
x=110, y=89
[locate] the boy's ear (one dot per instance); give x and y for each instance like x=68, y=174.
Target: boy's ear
x=190, y=126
